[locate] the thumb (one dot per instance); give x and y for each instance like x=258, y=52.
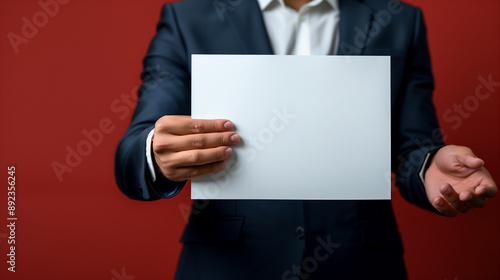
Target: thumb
x=473, y=162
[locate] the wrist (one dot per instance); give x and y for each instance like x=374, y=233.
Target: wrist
x=429, y=159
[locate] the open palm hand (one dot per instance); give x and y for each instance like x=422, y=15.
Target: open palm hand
x=457, y=181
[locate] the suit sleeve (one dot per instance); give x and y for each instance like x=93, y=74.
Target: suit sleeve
x=416, y=130
x=165, y=90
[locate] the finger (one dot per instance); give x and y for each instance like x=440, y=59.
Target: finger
x=199, y=157
x=453, y=198
x=444, y=207
x=186, y=173
x=473, y=162
x=185, y=125
x=472, y=199
x=487, y=191
x=201, y=141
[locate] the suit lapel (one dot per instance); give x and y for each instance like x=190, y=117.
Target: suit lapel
x=247, y=23
x=356, y=21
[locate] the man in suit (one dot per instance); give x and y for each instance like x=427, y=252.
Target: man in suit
x=250, y=239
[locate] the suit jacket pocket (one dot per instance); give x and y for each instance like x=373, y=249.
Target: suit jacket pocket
x=381, y=235
x=222, y=230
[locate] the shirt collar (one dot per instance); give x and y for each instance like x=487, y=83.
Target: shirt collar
x=265, y=3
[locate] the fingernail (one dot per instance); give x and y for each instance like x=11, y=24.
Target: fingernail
x=235, y=138
x=447, y=190
x=229, y=152
x=228, y=125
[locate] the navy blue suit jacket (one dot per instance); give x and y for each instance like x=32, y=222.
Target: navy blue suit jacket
x=250, y=239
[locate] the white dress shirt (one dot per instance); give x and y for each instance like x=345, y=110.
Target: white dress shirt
x=313, y=30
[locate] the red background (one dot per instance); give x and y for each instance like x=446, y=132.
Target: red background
x=64, y=80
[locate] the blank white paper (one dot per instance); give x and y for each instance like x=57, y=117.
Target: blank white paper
x=312, y=127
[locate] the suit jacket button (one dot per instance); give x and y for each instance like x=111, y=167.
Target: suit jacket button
x=299, y=232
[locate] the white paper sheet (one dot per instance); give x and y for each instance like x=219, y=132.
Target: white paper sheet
x=312, y=127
